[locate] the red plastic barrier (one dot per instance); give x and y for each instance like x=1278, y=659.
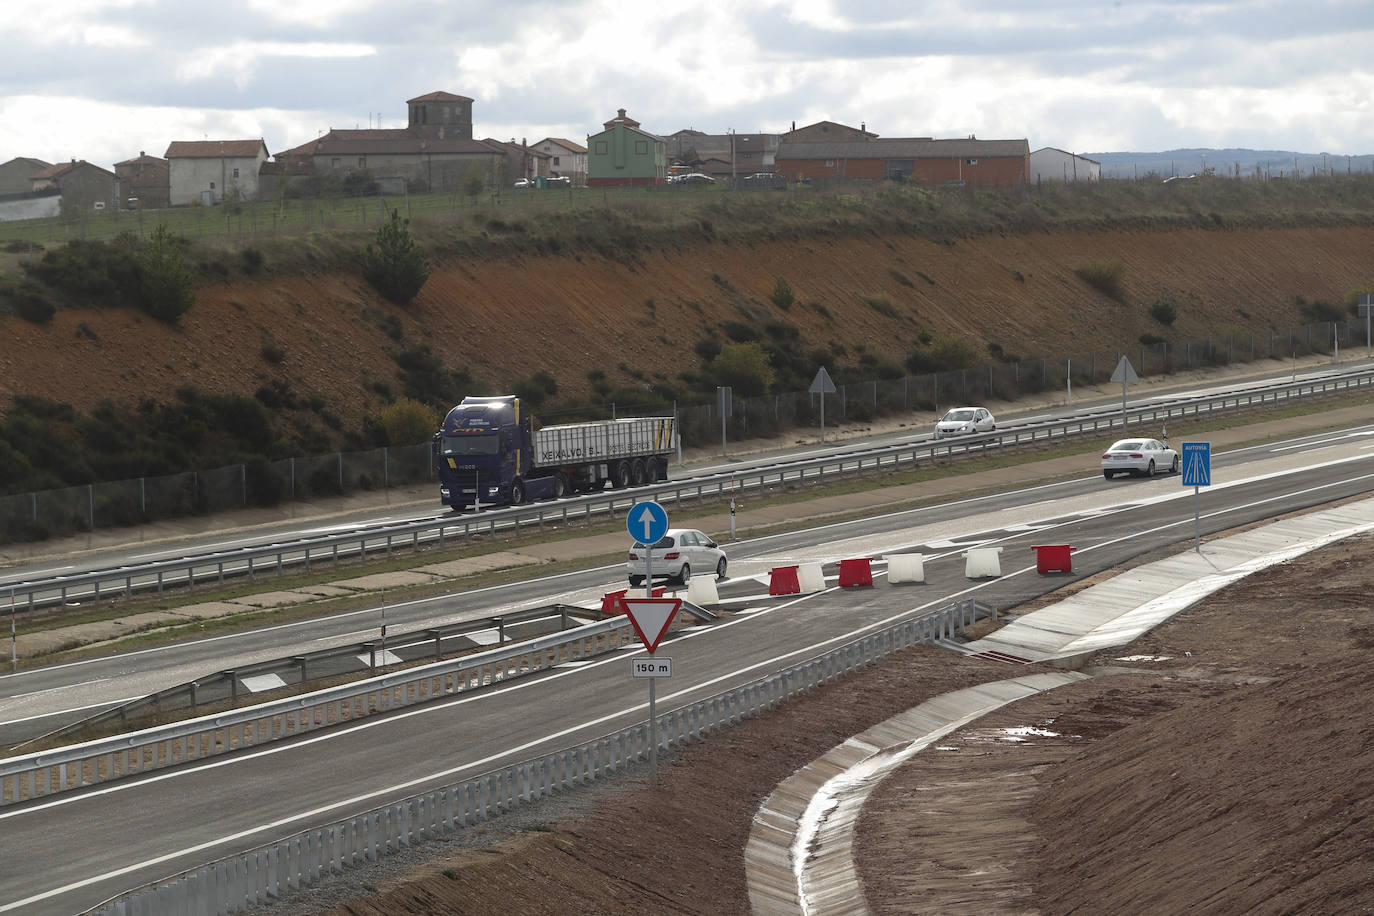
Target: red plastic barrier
x=783, y=580
x=610, y=602
x=856, y=573
x=1053, y=558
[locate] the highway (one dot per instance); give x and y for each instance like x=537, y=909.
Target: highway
x=70, y=852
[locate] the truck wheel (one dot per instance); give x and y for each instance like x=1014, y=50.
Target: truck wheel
x=651, y=471
x=621, y=478
x=517, y=493
x=560, y=485
x=638, y=472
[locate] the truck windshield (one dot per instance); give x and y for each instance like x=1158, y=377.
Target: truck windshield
x=459, y=446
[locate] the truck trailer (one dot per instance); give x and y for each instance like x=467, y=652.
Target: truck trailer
x=491, y=453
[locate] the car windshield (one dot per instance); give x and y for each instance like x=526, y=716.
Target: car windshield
x=1130, y=446
x=959, y=415
x=482, y=444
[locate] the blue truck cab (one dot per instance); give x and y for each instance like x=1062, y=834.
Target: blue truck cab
x=483, y=450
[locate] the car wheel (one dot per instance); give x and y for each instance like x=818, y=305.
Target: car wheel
x=636, y=581
x=1173, y=469
x=517, y=493
x=622, y=477
x=720, y=569
x=1150, y=470
x=684, y=573
x=1109, y=474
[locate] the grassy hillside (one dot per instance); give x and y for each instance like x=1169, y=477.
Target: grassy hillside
x=584, y=298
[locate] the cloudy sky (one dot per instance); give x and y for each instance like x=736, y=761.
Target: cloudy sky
x=103, y=79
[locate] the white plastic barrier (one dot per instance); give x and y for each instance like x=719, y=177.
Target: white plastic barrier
x=983, y=562
x=702, y=590
x=810, y=578
x=906, y=567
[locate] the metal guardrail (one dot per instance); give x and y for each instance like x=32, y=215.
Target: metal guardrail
x=91, y=763
x=338, y=661
x=306, y=552
x=268, y=872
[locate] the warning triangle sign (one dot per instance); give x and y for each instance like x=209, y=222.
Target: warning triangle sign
x=651, y=617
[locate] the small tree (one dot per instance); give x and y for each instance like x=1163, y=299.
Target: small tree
x=744, y=367
x=782, y=294
x=474, y=183
x=1164, y=311
x=164, y=280
x=408, y=422
x=396, y=267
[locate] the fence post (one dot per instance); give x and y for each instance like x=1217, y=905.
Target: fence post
x=90, y=504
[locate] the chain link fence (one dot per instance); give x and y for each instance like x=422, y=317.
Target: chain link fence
x=33, y=516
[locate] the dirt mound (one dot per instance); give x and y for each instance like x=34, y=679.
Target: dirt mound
x=1256, y=800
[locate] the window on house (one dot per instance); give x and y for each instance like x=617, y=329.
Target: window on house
x=830, y=163
x=212, y=186
x=236, y=173
x=335, y=162
x=970, y=162
x=601, y=148
x=641, y=147
x=362, y=162
x=555, y=160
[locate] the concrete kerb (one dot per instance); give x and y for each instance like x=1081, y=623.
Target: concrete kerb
x=799, y=855
x=799, y=858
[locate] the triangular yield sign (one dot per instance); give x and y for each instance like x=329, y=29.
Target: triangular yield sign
x=651, y=617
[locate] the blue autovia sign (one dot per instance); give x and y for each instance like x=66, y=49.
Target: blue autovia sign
x=647, y=522
x=1197, y=464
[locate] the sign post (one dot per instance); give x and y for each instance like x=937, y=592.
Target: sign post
x=822, y=385
x=651, y=618
x=647, y=523
x=1124, y=373
x=1366, y=309
x=1197, y=472
x=725, y=406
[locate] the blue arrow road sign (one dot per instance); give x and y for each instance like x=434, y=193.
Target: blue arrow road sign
x=1197, y=464
x=647, y=522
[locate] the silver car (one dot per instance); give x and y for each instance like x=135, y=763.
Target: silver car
x=964, y=420
x=1139, y=456
x=676, y=556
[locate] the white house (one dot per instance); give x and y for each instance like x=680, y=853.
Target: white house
x=1050, y=164
x=566, y=159
x=208, y=171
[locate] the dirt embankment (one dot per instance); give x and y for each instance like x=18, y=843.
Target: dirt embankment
x=330, y=336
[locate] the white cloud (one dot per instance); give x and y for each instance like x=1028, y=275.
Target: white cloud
x=239, y=60
x=99, y=78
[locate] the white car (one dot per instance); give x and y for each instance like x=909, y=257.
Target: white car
x=1139, y=456
x=675, y=556
x=523, y=183
x=963, y=420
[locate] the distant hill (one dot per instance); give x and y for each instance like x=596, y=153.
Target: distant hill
x=1245, y=162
